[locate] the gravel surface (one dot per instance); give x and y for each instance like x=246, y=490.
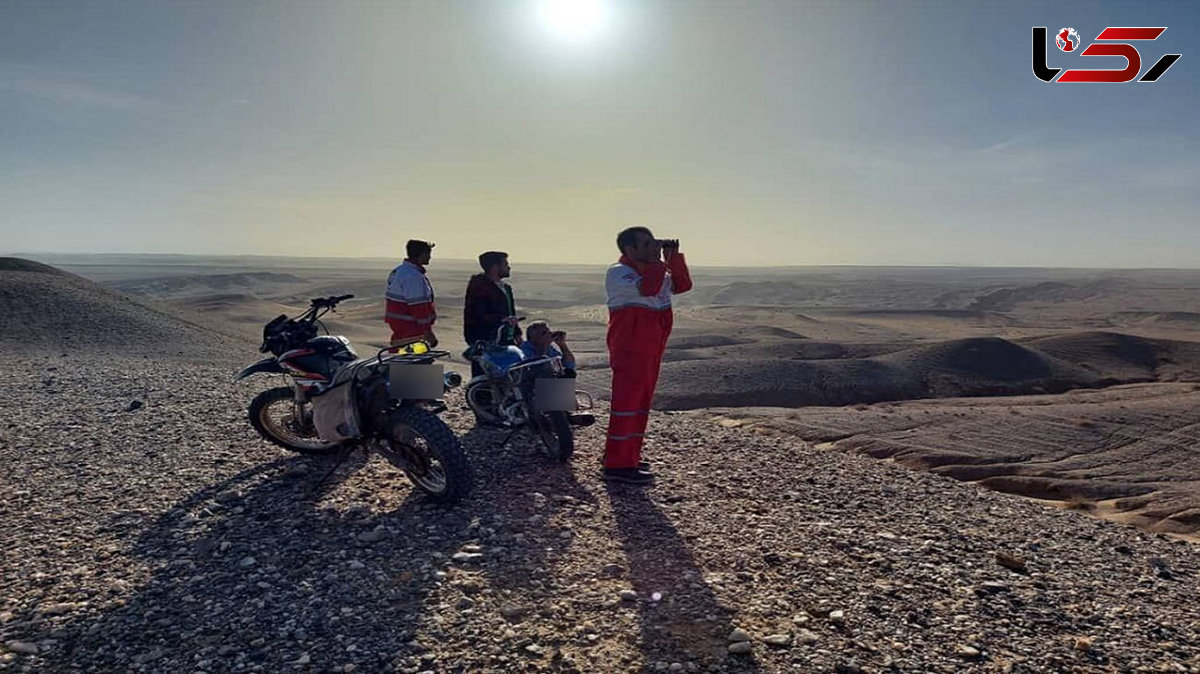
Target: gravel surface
x=144, y=527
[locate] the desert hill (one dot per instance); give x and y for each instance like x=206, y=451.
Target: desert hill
x=1124, y=357
x=977, y=366
x=42, y=307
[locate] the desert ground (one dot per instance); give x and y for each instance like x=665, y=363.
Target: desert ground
x=861, y=469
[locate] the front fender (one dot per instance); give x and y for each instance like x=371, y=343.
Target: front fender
x=265, y=365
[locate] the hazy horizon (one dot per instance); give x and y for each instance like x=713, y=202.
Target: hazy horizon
x=69, y=258
x=762, y=134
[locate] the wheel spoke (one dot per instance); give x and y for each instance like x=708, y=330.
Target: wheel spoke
x=285, y=419
x=428, y=471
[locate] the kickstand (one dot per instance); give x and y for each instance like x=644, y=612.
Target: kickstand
x=518, y=429
x=504, y=442
x=341, y=458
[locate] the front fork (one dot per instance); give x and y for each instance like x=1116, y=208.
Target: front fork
x=301, y=412
x=517, y=411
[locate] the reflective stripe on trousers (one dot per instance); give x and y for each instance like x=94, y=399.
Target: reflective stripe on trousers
x=634, y=376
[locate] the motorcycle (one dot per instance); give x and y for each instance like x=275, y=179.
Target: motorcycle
x=336, y=401
x=507, y=395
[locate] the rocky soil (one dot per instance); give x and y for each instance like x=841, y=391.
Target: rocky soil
x=144, y=527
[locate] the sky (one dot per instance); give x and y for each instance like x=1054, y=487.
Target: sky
x=757, y=132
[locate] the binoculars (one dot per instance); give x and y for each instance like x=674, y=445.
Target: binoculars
x=668, y=243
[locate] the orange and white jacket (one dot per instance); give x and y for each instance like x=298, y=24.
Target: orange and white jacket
x=411, y=311
x=639, y=303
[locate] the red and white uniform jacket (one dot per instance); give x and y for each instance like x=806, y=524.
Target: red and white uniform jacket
x=639, y=303
x=411, y=311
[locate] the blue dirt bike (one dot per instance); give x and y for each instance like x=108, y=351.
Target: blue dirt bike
x=506, y=395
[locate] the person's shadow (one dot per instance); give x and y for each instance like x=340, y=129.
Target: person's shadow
x=681, y=619
x=303, y=562
x=259, y=571
x=685, y=623
x=266, y=570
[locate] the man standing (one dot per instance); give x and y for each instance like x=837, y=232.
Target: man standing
x=639, y=322
x=411, y=311
x=489, y=304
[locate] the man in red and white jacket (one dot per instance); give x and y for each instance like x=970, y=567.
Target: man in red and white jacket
x=639, y=290
x=411, y=311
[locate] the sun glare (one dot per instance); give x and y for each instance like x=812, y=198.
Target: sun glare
x=574, y=20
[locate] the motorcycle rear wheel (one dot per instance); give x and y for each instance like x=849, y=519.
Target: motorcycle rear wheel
x=273, y=413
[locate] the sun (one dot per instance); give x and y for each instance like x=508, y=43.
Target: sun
x=574, y=20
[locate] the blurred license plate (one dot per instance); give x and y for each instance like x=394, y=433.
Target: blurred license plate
x=554, y=395
x=415, y=381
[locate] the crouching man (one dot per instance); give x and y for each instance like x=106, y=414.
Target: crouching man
x=542, y=342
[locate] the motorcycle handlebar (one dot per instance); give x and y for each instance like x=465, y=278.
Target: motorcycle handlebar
x=329, y=301
x=500, y=330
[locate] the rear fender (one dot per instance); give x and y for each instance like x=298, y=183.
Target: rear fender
x=268, y=365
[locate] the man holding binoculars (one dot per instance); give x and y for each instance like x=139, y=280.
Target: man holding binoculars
x=639, y=289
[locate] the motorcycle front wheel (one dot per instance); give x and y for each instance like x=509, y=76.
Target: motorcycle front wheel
x=557, y=436
x=424, y=447
x=278, y=418
x=481, y=399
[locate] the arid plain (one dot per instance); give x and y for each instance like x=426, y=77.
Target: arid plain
x=862, y=469
x=1094, y=368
